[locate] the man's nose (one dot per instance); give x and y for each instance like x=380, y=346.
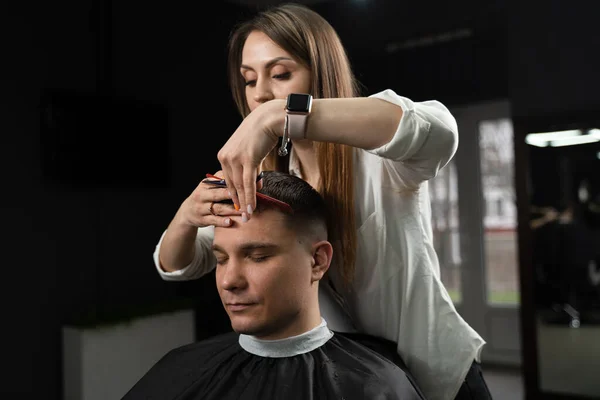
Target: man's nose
x=233, y=277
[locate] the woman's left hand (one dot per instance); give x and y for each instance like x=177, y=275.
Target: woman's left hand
x=243, y=153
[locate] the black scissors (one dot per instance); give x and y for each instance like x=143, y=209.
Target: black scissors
x=263, y=197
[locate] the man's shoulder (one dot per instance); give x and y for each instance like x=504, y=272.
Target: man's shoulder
x=207, y=350
x=183, y=366
x=208, y=346
x=376, y=362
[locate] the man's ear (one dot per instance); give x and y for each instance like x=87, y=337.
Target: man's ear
x=322, y=253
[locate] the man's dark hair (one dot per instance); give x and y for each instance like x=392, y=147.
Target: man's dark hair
x=307, y=204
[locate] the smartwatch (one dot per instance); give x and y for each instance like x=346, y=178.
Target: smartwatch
x=297, y=109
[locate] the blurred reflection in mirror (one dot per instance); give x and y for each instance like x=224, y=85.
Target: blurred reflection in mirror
x=496, y=153
x=564, y=185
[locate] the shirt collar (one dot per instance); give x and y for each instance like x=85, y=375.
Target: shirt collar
x=288, y=347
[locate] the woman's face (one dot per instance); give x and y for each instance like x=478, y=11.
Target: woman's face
x=270, y=72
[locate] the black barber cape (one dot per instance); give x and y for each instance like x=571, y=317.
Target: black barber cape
x=317, y=365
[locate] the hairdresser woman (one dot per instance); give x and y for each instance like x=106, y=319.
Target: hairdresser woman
x=371, y=158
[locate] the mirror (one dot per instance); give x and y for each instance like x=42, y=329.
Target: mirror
x=564, y=198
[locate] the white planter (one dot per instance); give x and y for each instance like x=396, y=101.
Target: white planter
x=104, y=363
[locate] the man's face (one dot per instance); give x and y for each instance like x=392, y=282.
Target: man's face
x=264, y=275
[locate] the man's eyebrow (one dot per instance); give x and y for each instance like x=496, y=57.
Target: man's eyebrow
x=269, y=64
x=216, y=247
x=258, y=246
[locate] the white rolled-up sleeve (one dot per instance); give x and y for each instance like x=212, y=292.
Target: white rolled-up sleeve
x=203, y=262
x=425, y=141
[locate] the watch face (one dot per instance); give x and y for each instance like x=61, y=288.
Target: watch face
x=299, y=102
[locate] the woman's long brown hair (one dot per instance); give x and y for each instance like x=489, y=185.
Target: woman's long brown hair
x=313, y=42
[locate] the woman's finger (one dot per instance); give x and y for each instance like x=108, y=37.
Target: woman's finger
x=224, y=210
x=238, y=183
x=249, y=176
x=217, y=195
x=212, y=192
x=219, y=221
x=206, y=214
x=231, y=189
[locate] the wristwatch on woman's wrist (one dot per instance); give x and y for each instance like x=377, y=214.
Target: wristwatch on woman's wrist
x=297, y=110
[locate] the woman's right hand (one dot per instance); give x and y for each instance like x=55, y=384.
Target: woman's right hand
x=195, y=211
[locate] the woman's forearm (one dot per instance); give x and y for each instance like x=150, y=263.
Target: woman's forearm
x=177, y=247
x=362, y=122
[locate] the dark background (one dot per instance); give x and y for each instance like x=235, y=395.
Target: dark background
x=140, y=90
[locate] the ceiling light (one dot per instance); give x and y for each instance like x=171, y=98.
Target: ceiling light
x=544, y=139
x=575, y=140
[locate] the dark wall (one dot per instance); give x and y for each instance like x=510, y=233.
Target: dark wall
x=454, y=52
x=554, y=57
x=74, y=250
x=41, y=234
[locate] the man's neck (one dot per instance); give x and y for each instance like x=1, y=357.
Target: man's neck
x=301, y=325
x=288, y=346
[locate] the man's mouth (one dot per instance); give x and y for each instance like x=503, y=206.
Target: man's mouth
x=234, y=307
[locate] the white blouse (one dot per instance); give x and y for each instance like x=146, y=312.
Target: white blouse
x=397, y=293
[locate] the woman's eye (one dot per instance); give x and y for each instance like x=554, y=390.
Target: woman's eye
x=285, y=75
x=249, y=83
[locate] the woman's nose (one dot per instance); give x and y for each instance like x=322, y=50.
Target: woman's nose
x=263, y=91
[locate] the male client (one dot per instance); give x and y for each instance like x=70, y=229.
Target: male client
x=267, y=273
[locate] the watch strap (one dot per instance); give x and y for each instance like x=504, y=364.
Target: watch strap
x=297, y=125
